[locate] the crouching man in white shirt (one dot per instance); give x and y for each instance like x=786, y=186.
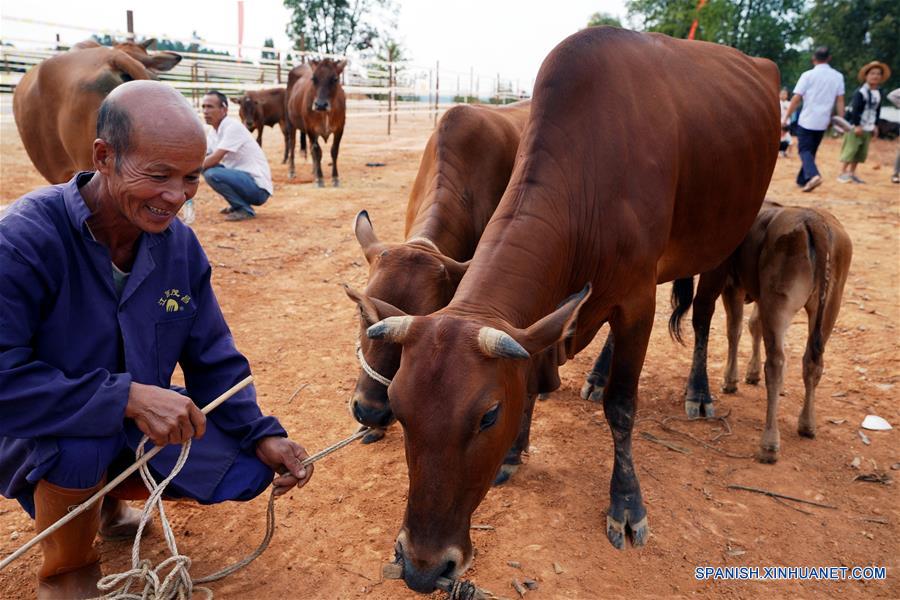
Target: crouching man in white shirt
x=236, y=166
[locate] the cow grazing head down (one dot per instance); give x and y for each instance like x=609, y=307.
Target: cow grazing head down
x=326, y=81
x=250, y=111
x=411, y=278
x=457, y=437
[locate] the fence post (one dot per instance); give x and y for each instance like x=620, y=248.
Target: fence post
x=390, y=94
x=437, y=89
x=278, y=67
x=129, y=18
x=471, y=83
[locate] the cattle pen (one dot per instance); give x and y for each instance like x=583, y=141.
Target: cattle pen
x=278, y=281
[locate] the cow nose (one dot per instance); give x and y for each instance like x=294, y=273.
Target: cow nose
x=322, y=105
x=369, y=416
x=423, y=580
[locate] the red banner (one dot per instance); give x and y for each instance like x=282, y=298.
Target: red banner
x=693, y=30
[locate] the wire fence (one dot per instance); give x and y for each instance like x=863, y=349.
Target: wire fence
x=374, y=88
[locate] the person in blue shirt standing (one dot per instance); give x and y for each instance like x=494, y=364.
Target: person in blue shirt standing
x=102, y=292
x=820, y=89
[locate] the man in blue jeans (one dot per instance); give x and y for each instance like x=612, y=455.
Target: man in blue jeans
x=821, y=89
x=235, y=166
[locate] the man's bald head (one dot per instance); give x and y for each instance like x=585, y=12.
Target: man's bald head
x=136, y=108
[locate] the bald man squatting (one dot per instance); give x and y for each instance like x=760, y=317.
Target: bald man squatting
x=102, y=292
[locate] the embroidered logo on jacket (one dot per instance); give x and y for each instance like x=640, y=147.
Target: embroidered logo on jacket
x=173, y=300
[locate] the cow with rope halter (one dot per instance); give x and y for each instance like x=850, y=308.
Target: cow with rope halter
x=462, y=175
x=102, y=293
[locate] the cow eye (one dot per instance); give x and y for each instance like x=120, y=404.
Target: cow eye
x=316, y=80
x=490, y=418
x=334, y=79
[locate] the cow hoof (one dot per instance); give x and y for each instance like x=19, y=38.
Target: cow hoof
x=699, y=406
x=374, y=434
x=768, y=455
x=730, y=387
x=807, y=431
x=752, y=379
x=625, y=532
x=291, y=176
x=592, y=391
x=336, y=182
x=543, y=397
x=320, y=183
x=505, y=472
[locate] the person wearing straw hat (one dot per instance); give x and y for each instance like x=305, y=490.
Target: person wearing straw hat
x=821, y=89
x=864, y=110
x=102, y=292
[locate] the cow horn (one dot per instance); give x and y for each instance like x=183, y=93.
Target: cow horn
x=496, y=344
x=392, y=329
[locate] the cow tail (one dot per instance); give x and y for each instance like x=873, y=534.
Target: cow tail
x=820, y=238
x=682, y=297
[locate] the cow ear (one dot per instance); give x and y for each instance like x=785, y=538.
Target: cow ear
x=236, y=99
x=163, y=61
x=313, y=64
x=365, y=235
x=372, y=310
x=557, y=326
x=339, y=67
x=147, y=43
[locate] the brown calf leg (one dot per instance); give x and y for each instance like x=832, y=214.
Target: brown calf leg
x=733, y=301
x=335, y=146
x=774, y=319
x=698, y=401
x=753, y=367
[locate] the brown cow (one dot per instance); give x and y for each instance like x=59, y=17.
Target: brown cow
x=56, y=102
x=262, y=108
x=792, y=258
x=316, y=107
x=463, y=173
x=626, y=177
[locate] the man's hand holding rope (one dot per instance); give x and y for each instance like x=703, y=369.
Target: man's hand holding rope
x=284, y=456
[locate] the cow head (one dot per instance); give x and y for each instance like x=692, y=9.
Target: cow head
x=159, y=61
x=459, y=394
x=250, y=111
x=326, y=81
x=410, y=278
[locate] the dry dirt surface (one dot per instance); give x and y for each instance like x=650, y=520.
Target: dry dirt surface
x=278, y=277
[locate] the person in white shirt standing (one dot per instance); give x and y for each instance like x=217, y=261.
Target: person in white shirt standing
x=236, y=166
x=821, y=89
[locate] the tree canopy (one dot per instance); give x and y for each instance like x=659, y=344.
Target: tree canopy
x=335, y=26
x=602, y=18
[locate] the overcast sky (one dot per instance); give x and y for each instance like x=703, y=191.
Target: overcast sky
x=509, y=37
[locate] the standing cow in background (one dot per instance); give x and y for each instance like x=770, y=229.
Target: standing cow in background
x=625, y=178
x=792, y=258
x=56, y=102
x=264, y=108
x=464, y=171
x=316, y=107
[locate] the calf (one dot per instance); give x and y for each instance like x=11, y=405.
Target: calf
x=264, y=108
x=792, y=258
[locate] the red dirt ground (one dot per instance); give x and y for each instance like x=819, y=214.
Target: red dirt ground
x=277, y=279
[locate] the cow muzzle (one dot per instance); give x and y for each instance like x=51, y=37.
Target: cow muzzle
x=369, y=415
x=321, y=106
x=421, y=576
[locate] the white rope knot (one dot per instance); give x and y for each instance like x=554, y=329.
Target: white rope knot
x=369, y=370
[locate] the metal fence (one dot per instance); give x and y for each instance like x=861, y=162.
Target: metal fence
x=374, y=88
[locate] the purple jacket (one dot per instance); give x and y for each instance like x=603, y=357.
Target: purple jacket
x=70, y=348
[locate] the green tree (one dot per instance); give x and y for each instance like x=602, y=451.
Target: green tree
x=602, y=18
x=856, y=32
x=266, y=54
x=335, y=26
x=771, y=29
